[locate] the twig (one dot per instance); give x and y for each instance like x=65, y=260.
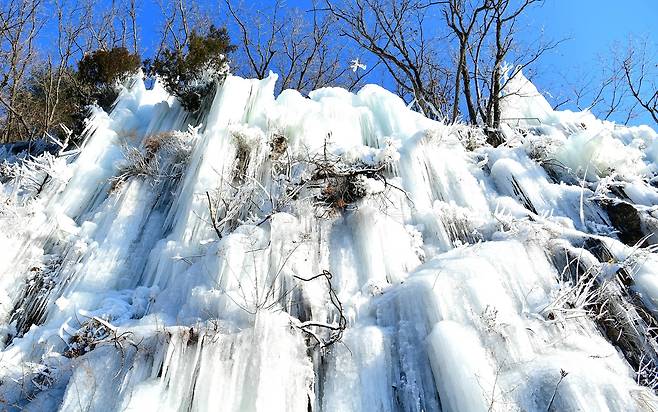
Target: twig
x=563, y=374
x=213, y=219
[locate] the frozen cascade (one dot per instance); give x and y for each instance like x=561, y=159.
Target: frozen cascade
x=332, y=253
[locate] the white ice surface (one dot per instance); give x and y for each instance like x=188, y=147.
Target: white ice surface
x=443, y=271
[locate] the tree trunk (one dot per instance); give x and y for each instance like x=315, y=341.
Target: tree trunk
x=496, y=97
x=472, y=113
x=460, y=64
x=495, y=92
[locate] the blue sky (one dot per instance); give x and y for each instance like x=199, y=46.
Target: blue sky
x=593, y=27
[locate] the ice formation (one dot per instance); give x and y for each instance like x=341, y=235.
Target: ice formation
x=332, y=253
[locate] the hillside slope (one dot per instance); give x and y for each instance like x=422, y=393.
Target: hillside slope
x=335, y=253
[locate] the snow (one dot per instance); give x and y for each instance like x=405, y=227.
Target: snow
x=448, y=261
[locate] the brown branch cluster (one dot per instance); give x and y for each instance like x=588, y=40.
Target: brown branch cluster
x=95, y=332
x=335, y=329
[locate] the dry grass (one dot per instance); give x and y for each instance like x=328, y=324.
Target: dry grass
x=161, y=155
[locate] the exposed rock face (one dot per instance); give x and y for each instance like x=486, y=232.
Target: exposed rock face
x=626, y=219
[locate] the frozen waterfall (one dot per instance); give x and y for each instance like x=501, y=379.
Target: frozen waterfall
x=332, y=253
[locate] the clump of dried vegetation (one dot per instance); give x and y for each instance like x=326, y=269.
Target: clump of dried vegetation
x=337, y=184
x=594, y=284
x=95, y=332
x=161, y=156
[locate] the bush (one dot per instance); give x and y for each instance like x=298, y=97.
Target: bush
x=191, y=75
x=100, y=72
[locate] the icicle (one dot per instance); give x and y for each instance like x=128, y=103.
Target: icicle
x=339, y=252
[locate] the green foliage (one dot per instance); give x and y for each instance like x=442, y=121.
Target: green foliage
x=107, y=66
x=190, y=75
x=100, y=71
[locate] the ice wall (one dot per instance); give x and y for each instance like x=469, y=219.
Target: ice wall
x=331, y=253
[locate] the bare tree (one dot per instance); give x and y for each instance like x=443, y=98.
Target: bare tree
x=610, y=97
x=113, y=26
x=624, y=87
x=131, y=12
x=397, y=33
x=504, y=20
x=179, y=18
x=462, y=20
x=20, y=23
x=641, y=75
x=258, y=36
x=54, y=73
x=302, y=46
x=102, y=25
x=37, y=84
x=490, y=54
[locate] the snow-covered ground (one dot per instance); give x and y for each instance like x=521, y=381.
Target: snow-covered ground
x=337, y=253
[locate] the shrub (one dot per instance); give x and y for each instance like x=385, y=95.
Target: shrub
x=99, y=73
x=190, y=75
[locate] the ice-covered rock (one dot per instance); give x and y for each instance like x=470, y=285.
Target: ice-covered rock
x=338, y=252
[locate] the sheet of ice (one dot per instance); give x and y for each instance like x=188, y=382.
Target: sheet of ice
x=118, y=292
